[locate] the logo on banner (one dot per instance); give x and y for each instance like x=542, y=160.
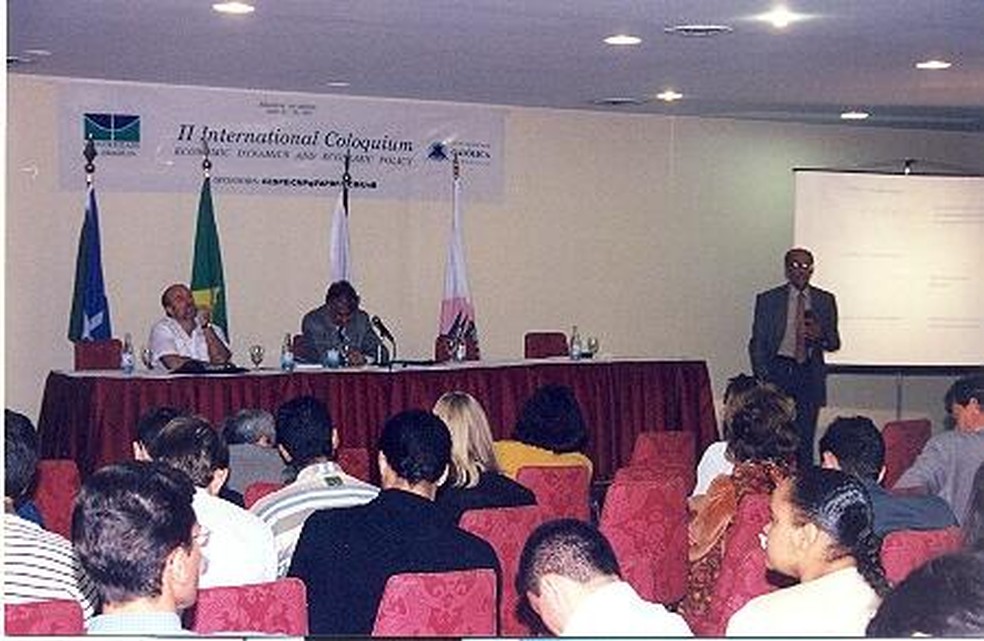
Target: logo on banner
x=113, y=134
x=475, y=153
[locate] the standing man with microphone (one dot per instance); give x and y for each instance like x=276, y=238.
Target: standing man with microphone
x=794, y=325
x=339, y=324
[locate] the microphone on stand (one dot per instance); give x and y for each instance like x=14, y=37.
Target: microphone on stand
x=384, y=332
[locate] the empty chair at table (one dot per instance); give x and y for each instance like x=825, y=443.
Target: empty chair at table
x=544, y=344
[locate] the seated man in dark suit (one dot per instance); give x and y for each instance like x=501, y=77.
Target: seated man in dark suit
x=854, y=445
x=345, y=555
x=342, y=327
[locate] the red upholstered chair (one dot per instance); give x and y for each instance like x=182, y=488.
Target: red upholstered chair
x=561, y=492
x=278, y=607
x=646, y=523
x=54, y=493
x=905, y=550
x=299, y=346
x=459, y=603
x=674, y=450
x=43, y=617
x=259, y=489
x=506, y=529
x=904, y=440
x=544, y=344
x=743, y=573
x=104, y=354
x=354, y=461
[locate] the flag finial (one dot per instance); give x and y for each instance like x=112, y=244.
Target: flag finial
x=89, y=153
x=455, y=164
x=206, y=162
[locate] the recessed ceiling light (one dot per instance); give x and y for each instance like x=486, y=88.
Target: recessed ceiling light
x=238, y=8
x=338, y=83
x=781, y=17
x=668, y=95
x=622, y=40
x=855, y=115
x=13, y=61
x=37, y=53
x=933, y=64
x=697, y=30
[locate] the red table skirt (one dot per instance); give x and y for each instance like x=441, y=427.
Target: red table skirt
x=92, y=418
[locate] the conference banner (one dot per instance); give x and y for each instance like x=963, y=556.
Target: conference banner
x=150, y=138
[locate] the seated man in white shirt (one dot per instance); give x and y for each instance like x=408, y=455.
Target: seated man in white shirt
x=569, y=574
x=240, y=549
x=185, y=333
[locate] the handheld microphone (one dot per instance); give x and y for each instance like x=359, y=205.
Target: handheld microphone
x=377, y=322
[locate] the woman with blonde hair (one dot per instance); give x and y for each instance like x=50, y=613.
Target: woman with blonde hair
x=475, y=481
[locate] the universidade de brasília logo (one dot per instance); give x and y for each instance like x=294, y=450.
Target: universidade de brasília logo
x=117, y=127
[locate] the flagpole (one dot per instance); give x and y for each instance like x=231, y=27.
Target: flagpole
x=206, y=176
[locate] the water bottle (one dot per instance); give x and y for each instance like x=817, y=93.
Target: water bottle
x=576, y=347
x=460, y=351
x=287, y=354
x=126, y=355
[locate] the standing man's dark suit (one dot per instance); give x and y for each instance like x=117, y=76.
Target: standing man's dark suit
x=805, y=381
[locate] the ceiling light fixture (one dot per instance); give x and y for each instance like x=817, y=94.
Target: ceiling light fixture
x=236, y=8
x=668, y=95
x=37, y=53
x=622, y=40
x=697, y=30
x=855, y=115
x=338, y=83
x=934, y=64
x=781, y=17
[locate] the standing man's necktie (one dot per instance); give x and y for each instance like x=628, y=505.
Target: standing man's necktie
x=801, y=328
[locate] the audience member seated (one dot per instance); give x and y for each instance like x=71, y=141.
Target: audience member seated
x=973, y=527
x=251, y=436
x=854, y=445
x=186, y=333
x=549, y=431
x=570, y=576
x=345, y=556
x=942, y=598
x=149, y=427
x=306, y=438
x=949, y=460
x=340, y=325
x=475, y=481
x=240, y=548
x=716, y=460
x=763, y=443
x=820, y=533
x=37, y=565
x=136, y=536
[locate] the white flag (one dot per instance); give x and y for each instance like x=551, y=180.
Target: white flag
x=457, y=312
x=339, y=252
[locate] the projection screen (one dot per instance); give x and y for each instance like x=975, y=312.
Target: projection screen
x=904, y=255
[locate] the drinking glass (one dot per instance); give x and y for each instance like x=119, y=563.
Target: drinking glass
x=147, y=357
x=593, y=345
x=256, y=355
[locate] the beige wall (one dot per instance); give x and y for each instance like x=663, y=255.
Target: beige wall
x=652, y=232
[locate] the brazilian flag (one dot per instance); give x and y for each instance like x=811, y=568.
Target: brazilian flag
x=207, y=282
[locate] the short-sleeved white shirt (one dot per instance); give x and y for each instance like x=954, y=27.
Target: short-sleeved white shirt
x=167, y=337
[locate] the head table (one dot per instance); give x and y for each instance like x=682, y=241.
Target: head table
x=91, y=416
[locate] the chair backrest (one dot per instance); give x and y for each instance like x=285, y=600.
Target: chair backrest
x=506, y=529
x=646, y=523
x=544, y=344
x=561, y=491
x=278, y=607
x=102, y=354
x=299, y=347
x=355, y=461
x=55, y=490
x=257, y=490
x=905, y=550
x=743, y=572
x=62, y=617
x=670, y=449
x=904, y=440
x=458, y=603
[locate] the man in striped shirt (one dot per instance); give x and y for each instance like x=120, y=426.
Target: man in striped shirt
x=37, y=565
x=307, y=440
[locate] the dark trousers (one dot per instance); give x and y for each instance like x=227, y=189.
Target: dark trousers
x=799, y=381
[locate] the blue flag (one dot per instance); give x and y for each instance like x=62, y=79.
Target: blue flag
x=90, y=308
